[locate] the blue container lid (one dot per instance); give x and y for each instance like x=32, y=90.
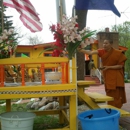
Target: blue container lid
x=98, y=114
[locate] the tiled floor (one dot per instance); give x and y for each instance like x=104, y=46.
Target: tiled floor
x=124, y=121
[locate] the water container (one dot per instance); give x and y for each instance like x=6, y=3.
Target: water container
x=17, y=120
x=100, y=119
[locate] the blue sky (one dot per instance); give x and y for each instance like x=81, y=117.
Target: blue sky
x=47, y=13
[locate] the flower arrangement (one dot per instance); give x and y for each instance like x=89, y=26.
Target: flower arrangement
x=7, y=46
x=68, y=38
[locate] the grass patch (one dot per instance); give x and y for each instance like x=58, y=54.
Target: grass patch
x=46, y=122
x=127, y=81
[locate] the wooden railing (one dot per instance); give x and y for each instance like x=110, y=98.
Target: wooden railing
x=30, y=63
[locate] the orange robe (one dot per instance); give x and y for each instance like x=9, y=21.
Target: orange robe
x=114, y=78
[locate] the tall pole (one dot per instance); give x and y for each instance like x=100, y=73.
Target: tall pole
x=82, y=18
x=57, y=10
x=115, y=25
x=60, y=9
x=2, y=16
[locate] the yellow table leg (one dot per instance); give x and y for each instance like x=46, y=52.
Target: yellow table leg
x=73, y=113
x=8, y=105
x=61, y=103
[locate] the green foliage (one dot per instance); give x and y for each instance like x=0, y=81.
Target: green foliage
x=7, y=46
x=46, y=122
x=127, y=64
x=124, y=40
x=124, y=33
x=127, y=81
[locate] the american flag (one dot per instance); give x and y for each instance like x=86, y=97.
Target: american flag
x=28, y=14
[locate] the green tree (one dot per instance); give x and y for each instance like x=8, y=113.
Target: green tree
x=124, y=40
x=124, y=33
x=7, y=45
x=34, y=40
x=127, y=65
x=7, y=23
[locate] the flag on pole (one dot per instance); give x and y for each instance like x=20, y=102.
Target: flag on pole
x=28, y=14
x=96, y=5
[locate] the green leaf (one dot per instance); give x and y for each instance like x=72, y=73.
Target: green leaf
x=48, y=49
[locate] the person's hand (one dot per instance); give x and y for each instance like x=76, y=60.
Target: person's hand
x=105, y=68
x=79, y=49
x=101, y=68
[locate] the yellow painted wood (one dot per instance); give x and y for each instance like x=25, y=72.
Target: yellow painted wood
x=83, y=83
x=39, y=87
x=87, y=99
x=6, y=96
x=97, y=97
x=74, y=73
x=8, y=104
x=65, y=115
x=45, y=90
x=122, y=112
x=73, y=112
x=46, y=112
x=23, y=60
x=37, y=91
x=46, y=65
x=61, y=103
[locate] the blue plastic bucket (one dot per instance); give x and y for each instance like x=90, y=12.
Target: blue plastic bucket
x=100, y=119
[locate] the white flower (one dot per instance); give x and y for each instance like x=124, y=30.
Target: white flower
x=79, y=38
x=83, y=45
x=4, y=37
x=68, y=30
x=8, y=42
x=5, y=32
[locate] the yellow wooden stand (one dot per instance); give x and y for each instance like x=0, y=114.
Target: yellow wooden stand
x=93, y=98
x=65, y=88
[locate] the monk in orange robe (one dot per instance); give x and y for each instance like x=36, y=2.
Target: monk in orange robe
x=113, y=61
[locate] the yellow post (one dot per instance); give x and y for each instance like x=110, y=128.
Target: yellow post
x=8, y=105
x=73, y=111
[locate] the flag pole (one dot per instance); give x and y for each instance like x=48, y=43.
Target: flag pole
x=2, y=16
x=73, y=9
x=60, y=9
x=57, y=11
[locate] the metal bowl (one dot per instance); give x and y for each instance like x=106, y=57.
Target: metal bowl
x=53, y=76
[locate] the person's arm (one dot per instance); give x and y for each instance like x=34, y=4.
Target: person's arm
x=113, y=67
x=88, y=51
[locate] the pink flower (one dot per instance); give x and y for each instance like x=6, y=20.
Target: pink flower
x=67, y=36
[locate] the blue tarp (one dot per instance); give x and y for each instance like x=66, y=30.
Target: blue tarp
x=96, y=5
